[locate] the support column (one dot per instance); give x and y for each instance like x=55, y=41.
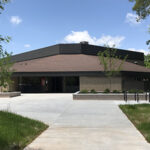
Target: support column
x=20, y=83
x=64, y=84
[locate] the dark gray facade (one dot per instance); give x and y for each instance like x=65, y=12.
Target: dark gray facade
x=76, y=49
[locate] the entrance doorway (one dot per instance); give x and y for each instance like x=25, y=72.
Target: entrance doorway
x=63, y=84
x=55, y=85
x=48, y=84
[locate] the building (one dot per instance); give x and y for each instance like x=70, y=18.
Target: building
x=72, y=67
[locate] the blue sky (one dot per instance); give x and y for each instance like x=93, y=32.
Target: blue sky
x=34, y=24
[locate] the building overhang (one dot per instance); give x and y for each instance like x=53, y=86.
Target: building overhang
x=72, y=63
x=79, y=73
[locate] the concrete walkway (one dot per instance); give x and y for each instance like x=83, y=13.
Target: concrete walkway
x=77, y=125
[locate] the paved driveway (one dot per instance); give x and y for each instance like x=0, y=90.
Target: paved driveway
x=77, y=125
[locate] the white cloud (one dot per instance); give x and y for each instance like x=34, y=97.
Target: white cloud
x=132, y=19
x=139, y=50
x=76, y=37
x=110, y=40
x=27, y=45
x=15, y=20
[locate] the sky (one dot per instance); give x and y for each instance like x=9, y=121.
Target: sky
x=34, y=24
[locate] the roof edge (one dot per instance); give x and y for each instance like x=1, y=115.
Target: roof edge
x=77, y=48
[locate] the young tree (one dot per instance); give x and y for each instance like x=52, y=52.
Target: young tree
x=5, y=61
x=111, y=62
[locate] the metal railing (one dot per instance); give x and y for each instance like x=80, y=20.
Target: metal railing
x=136, y=96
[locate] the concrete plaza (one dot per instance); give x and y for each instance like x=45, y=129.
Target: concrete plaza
x=77, y=125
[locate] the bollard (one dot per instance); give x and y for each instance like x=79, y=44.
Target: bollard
x=125, y=96
x=146, y=96
x=137, y=97
x=149, y=97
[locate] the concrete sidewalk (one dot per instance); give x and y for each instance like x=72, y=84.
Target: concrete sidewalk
x=90, y=125
x=77, y=125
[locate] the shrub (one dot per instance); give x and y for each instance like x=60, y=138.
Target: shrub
x=140, y=91
x=106, y=91
x=116, y=91
x=132, y=91
x=84, y=91
x=93, y=91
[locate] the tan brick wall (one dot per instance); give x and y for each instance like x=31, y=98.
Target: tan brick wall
x=100, y=83
x=2, y=89
x=14, y=85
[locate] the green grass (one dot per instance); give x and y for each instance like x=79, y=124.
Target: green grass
x=139, y=115
x=16, y=131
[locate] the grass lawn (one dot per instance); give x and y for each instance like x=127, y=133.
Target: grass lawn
x=16, y=131
x=139, y=115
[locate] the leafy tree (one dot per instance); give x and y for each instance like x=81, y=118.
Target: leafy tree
x=111, y=62
x=5, y=61
x=142, y=8
x=2, y=3
x=147, y=60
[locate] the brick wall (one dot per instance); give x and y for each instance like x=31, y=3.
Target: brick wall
x=100, y=83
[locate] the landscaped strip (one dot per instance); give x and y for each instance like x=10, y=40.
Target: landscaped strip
x=139, y=115
x=16, y=131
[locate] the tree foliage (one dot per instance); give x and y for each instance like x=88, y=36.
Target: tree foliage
x=147, y=61
x=5, y=67
x=111, y=62
x=2, y=3
x=142, y=8
x=5, y=61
